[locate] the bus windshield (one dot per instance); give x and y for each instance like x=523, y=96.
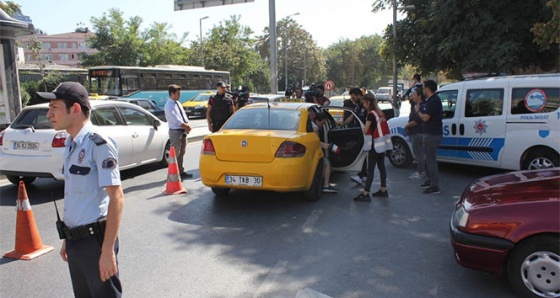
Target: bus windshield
x=104, y=82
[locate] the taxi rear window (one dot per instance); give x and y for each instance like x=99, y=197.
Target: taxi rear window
x=264, y=119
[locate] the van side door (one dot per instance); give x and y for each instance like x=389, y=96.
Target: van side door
x=481, y=129
x=447, y=149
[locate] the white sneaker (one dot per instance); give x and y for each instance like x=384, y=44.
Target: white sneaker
x=416, y=176
x=358, y=179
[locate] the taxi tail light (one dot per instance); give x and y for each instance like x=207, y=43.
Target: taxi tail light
x=290, y=149
x=2, y=137
x=208, y=147
x=59, y=140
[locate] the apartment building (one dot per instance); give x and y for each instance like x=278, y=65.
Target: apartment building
x=60, y=49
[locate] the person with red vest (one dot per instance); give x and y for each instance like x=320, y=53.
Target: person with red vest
x=377, y=127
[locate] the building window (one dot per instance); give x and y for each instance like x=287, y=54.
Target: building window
x=62, y=45
x=74, y=56
x=74, y=45
x=46, y=45
x=82, y=45
x=63, y=57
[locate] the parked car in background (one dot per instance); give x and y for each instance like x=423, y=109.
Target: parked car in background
x=510, y=223
x=384, y=93
x=31, y=148
x=148, y=105
x=197, y=106
x=273, y=147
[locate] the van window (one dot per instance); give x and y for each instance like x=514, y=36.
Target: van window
x=484, y=102
x=534, y=100
x=448, y=102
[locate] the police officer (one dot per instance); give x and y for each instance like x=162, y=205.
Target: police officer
x=220, y=108
x=93, y=196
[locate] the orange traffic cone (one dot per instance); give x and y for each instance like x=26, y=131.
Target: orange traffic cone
x=28, y=241
x=173, y=185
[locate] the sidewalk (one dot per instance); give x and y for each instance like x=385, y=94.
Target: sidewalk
x=197, y=134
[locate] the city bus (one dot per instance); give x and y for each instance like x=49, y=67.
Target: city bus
x=152, y=82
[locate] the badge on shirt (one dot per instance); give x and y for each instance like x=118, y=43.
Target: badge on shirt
x=109, y=163
x=81, y=155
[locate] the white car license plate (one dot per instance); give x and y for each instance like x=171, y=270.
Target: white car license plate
x=244, y=180
x=26, y=145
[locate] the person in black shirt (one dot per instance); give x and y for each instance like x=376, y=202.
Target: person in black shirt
x=220, y=108
x=431, y=113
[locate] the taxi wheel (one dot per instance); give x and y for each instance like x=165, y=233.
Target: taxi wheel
x=400, y=156
x=534, y=267
x=541, y=159
x=220, y=191
x=314, y=192
x=16, y=179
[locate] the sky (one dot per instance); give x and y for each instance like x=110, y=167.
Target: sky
x=328, y=21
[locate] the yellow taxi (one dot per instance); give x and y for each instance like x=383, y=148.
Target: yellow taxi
x=272, y=146
x=197, y=106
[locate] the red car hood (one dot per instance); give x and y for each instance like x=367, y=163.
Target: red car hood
x=513, y=188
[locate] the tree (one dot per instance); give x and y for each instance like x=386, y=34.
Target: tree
x=357, y=63
x=305, y=59
x=9, y=7
x=459, y=36
x=230, y=47
x=120, y=42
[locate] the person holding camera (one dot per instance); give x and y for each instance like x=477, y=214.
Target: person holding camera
x=220, y=108
x=321, y=99
x=241, y=97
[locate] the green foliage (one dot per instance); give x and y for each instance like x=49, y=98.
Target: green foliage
x=10, y=7
x=230, y=47
x=357, y=63
x=548, y=33
x=459, y=36
x=47, y=84
x=304, y=58
x=120, y=42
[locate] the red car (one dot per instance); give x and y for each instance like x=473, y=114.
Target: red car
x=510, y=223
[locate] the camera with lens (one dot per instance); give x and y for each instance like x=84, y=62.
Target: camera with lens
x=311, y=92
x=240, y=94
x=289, y=92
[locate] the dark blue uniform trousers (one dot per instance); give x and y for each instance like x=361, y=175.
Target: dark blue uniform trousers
x=83, y=262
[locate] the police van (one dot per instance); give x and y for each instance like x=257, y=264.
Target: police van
x=509, y=122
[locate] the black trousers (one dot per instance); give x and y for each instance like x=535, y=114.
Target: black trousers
x=83, y=262
x=217, y=124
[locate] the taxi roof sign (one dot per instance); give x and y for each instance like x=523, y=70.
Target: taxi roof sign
x=194, y=4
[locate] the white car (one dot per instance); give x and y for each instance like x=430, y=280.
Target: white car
x=31, y=148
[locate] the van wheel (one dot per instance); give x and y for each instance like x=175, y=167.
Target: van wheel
x=541, y=159
x=163, y=162
x=16, y=179
x=314, y=192
x=400, y=156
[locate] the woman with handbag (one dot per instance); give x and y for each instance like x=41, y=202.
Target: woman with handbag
x=376, y=126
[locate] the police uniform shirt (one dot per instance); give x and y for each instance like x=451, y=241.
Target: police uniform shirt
x=90, y=164
x=175, y=114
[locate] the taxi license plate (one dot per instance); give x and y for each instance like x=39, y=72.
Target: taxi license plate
x=26, y=145
x=244, y=180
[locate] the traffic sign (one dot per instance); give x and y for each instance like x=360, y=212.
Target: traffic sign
x=329, y=85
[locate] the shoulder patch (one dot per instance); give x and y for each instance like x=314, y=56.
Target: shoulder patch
x=97, y=139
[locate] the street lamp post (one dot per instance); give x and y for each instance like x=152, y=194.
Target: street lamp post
x=286, y=53
x=273, y=50
x=201, y=50
x=395, y=70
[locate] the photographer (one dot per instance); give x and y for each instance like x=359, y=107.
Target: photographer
x=241, y=97
x=321, y=99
